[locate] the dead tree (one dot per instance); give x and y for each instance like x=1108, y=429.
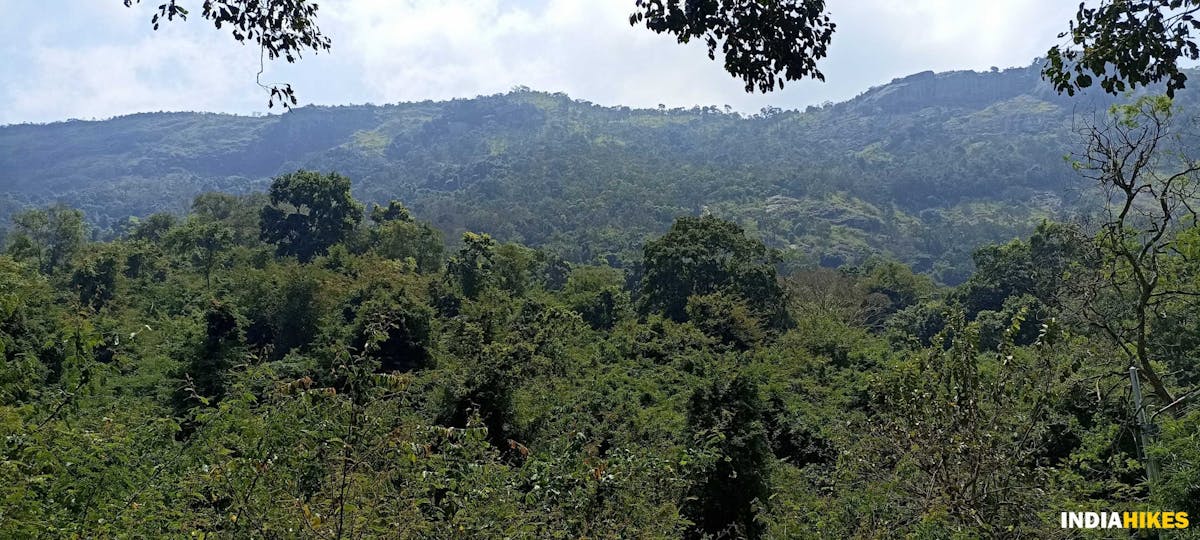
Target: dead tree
x=1147, y=184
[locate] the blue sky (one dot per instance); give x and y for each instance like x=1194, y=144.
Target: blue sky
x=64, y=59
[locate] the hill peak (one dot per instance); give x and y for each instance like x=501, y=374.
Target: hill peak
x=967, y=89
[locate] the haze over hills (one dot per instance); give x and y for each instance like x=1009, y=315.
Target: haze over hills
x=924, y=168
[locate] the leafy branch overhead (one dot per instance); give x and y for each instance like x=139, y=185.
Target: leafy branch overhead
x=282, y=28
x=1125, y=45
x=1121, y=43
x=763, y=43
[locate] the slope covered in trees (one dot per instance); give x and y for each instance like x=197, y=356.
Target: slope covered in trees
x=212, y=375
x=922, y=169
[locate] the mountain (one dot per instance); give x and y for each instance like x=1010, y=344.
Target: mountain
x=924, y=168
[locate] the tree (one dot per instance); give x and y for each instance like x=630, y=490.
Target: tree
x=763, y=43
x=1125, y=45
x=965, y=435
x=727, y=319
x=705, y=255
x=208, y=366
x=896, y=282
x=49, y=236
x=824, y=292
x=215, y=206
x=1138, y=162
x=1056, y=250
x=1001, y=272
x=597, y=294
x=475, y=264
x=154, y=228
x=727, y=417
x=394, y=211
x=202, y=244
x=399, y=330
x=513, y=267
x=397, y=235
x=26, y=310
x=283, y=306
x=308, y=213
x=241, y=213
x=95, y=278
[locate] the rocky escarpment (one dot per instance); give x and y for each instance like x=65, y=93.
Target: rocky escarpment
x=955, y=89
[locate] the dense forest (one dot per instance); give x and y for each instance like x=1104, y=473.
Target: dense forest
x=923, y=169
x=292, y=362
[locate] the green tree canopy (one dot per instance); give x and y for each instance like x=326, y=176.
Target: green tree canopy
x=474, y=265
x=763, y=43
x=726, y=417
x=705, y=255
x=1126, y=45
x=397, y=235
x=49, y=236
x=201, y=244
x=309, y=212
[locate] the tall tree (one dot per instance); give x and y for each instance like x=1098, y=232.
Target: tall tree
x=965, y=434
x=207, y=366
x=49, y=236
x=241, y=213
x=309, y=212
x=1137, y=159
x=706, y=255
x=726, y=416
x=475, y=264
x=202, y=244
x=397, y=235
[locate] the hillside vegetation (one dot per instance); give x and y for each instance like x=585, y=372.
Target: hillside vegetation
x=277, y=366
x=625, y=336
x=922, y=169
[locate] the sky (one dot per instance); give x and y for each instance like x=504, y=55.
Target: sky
x=62, y=59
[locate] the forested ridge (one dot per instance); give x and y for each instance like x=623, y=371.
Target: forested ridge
x=915, y=314
x=296, y=363
x=960, y=305
x=922, y=169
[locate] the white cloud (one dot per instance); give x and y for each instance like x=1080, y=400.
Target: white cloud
x=398, y=50
x=450, y=48
x=453, y=48
x=124, y=67
x=120, y=79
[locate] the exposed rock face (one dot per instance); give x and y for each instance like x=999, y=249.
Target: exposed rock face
x=965, y=89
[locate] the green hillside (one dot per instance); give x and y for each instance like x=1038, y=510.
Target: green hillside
x=628, y=337
x=922, y=169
